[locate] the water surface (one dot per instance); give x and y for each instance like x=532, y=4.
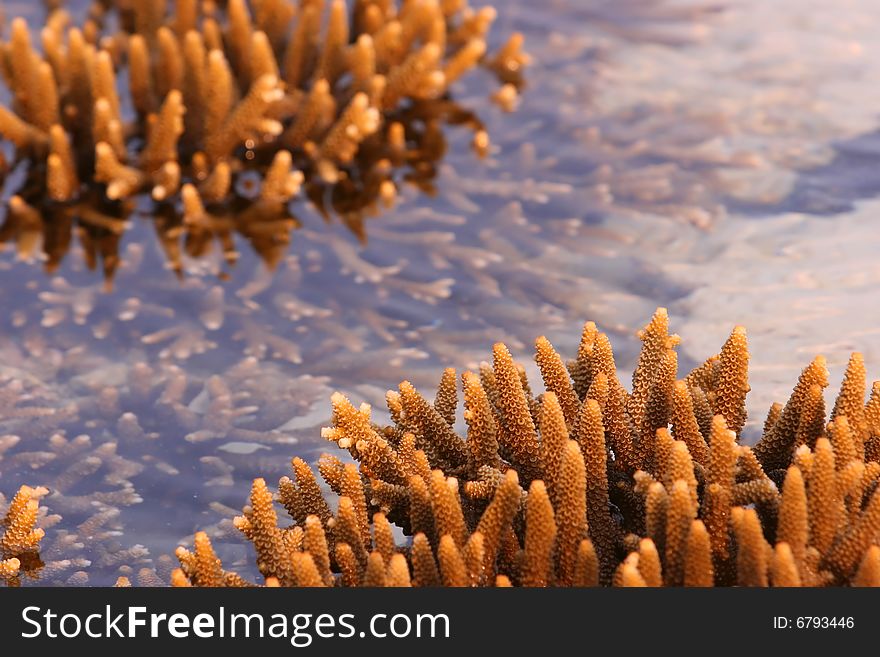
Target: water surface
x=718, y=159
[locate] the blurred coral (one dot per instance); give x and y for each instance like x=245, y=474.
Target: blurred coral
x=242, y=102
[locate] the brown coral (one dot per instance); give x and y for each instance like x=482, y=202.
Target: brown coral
x=218, y=95
x=20, y=538
x=706, y=511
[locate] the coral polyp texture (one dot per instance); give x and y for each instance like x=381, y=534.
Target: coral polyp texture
x=202, y=104
x=585, y=484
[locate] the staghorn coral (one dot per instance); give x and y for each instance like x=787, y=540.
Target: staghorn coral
x=592, y=514
x=515, y=330
x=20, y=538
x=234, y=104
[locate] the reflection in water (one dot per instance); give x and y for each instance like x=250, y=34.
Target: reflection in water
x=97, y=223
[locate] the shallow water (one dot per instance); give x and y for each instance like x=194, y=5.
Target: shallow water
x=680, y=154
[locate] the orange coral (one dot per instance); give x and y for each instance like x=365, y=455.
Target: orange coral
x=219, y=91
x=20, y=535
x=801, y=508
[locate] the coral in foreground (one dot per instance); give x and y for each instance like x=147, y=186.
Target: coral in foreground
x=20, y=538
x=585, y=484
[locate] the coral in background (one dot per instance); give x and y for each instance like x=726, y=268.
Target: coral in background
x=584, y=484
x=192, y=227
x=209, y=104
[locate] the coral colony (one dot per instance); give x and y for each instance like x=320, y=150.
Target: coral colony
x=220, y=115
x=20, y=540
x=585, y=484
x=215, y=116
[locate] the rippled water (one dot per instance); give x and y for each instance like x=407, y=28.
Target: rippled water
x=718, y=159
